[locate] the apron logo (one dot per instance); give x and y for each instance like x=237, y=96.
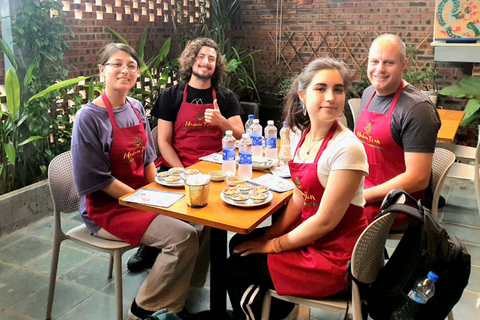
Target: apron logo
x=368, y=128
x=297, y=183
x=137, y=142
x=368, y=139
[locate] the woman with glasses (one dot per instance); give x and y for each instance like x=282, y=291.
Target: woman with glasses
x=113, y=154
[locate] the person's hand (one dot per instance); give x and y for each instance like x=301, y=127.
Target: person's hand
x=213, y=116
x=259, y=245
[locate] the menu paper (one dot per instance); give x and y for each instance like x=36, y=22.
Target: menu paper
x=214, y=157
x=275, y=183
x=154, y=198
x=281, y=171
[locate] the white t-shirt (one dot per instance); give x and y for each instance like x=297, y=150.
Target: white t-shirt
x=344, y=152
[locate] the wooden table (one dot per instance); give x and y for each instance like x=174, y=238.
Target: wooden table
x=222, y=217
x=450, y=121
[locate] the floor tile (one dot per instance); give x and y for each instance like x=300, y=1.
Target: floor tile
x=26, y=249
x=474, y=280
x=131, y=282
x=9, y=314
x=470, y=235
x=4, y=268
x=468, y=307
x=14, y=286
x=92, y=273
x=69, y=259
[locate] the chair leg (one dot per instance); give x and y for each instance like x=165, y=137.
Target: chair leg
x=267, y=301
x=53, y=278
x=450, y=316
x=303, y=313
x=117, y=261
x=110, y=267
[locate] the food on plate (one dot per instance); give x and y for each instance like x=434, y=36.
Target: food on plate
x=244, y=187
x=258, y=197
x=163, y=174
x=191, y=171
x=234, y=180
x=172, y=179
x=217, y=175
x=176, y=170
x=240, y=198
x=230, y=191
x=260, y=189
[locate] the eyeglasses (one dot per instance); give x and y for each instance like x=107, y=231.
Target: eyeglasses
x=119, y=67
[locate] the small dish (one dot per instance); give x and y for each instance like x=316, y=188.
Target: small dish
x=163, y=174
x=230, y=191
x=191, y=171
x=172, y=179
x=176, y=170
x=244, y=187
x=240, y=198
x=234, y=180
x=260, y=189
x=258, y=197
x=217, y=175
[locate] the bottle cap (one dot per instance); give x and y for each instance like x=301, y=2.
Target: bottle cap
x=270, y=122
x=229, y=132
x=251, y=116
x=432, y=276
x=256, y=120
x=245, y=136
x=284, y=123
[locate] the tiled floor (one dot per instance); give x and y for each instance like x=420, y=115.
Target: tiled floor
x=84, y=292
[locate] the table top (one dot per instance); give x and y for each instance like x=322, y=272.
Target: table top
x=450, y=121
x=217, y=213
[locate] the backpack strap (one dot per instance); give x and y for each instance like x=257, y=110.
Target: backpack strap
x=390, y=204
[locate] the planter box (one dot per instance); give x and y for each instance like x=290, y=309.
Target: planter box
x=21, y=207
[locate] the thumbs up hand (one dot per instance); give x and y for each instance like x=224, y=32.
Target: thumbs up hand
x=213, y=116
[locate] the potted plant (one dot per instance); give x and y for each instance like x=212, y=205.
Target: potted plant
x=468, y=87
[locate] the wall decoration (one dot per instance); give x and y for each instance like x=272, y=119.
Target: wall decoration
x=457, y=20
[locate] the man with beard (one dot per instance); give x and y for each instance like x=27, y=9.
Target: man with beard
x=192, y=117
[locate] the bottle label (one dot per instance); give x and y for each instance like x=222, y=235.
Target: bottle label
x=256, y=141
x=415, y=297
x=228, y=154
x=245, y=158
x=271, y=143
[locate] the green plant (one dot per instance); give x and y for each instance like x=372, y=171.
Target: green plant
x=468, y=87
x=284, y=87
x=360, y=85
x=423, y=77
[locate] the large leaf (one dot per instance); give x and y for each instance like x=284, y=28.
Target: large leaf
x=12, y=88
x=119, y=37
x=471, y=112
x=8, y=53
x=141, y=51
x=28, y=76
x=162, y=54
x=468, y=87
x=57, y=86
x=30, y=139
x=10, y=152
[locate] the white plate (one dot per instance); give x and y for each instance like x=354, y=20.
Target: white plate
x=169, y=184
x=265, y=163
x=248, y=203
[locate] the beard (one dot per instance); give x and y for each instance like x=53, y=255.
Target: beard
x=202, y=76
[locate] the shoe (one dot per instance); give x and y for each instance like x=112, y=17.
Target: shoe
x=251, y=302
x=144, y=258
x=137, y=313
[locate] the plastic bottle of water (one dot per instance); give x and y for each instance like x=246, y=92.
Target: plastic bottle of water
x=228, y=161
x=270, y=140
x=256, y=135
x=248, y=124
x=423, y=290
x=285, y=154
x=245, y=151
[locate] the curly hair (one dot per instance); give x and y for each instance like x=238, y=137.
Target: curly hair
x=188, y=56
x=293, y=110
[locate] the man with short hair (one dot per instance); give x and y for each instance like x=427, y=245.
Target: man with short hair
x=398, y=126
x=192, y=117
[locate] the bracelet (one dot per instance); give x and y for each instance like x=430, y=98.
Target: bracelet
x=277, y=246
x=269, y=236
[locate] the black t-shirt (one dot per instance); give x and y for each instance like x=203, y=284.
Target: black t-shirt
x=168, y=105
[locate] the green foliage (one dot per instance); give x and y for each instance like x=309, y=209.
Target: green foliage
x=284, y=87
x=468, y=87
x=422, y=77
x=362, y=84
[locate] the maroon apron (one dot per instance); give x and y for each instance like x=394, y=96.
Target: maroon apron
x=318, y=269
x=127, y=162
x=386, y=158
x=192, y=137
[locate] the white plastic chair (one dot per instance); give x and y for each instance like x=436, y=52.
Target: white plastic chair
x=442, y=162
x=155, y=141
x=367, y=259
x=463, y=154
x=468, y=172
x=66, y=200
x=355, y=104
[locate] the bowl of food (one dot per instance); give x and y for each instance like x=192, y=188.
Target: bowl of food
x=176, y=170
x=244, y=187
x=230, y=192
x=189, y=172
x=172, y=179
x=163, y=174
x=240, y=198
x=217, y=175
x=258, y=197
x=234, y=180
x=260, y=189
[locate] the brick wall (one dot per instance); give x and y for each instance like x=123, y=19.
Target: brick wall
x=340, y=28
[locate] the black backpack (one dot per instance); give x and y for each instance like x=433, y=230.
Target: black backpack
x=425, y=246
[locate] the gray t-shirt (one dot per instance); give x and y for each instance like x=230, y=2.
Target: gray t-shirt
x=91, y=142
x=415, y=120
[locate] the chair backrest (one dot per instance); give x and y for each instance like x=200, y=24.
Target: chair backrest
x=155, y=141
x=355, y=104
x=62, y=187
x=368, y=253
x=442, y=161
